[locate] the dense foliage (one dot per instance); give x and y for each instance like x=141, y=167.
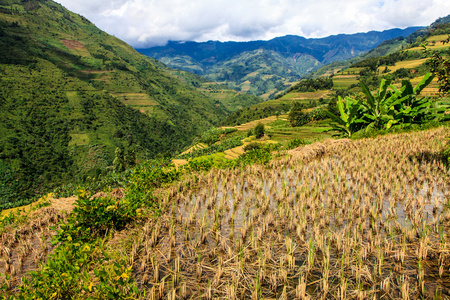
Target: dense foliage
x=80, y=267
x=440, y=66
x=312, y=85
x=298, y=115
x=213, y=135
x=259, y=130
x=255, y=113
x=387, y=108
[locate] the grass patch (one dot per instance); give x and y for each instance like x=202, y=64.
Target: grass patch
x=79, y=139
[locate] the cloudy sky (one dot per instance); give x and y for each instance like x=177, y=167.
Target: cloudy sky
x=144, y=23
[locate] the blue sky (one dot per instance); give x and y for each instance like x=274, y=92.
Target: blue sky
x=144, y=23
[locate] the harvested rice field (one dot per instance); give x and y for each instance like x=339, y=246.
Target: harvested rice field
x=25, y=248
x=339, y=219
x=365, y=219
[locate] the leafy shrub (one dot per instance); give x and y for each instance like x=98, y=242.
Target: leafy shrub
x=229, y=130
x=440, y=67
x=296, y=143
x=311, y=85
x=149, y=176
x=95, y=216
x=200, y=164
x=332, y=106
x=402, y=73
x=297, y=117
x=68, y=275
x=261, y=155
x=318, y=114
x=119, y=161
x=252, y=146
x=259, y=130
x=256, y=156
x=211, y=136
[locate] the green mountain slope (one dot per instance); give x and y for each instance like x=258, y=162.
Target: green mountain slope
x=70, y=94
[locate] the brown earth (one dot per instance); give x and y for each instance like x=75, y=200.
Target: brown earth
x=75, y=45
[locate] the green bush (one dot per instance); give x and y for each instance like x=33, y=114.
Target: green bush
x=261, y=155
x=200, y=164
x=297, y=117
x=78, y=270
x=440, y=67
x=259, y=130
x=255, y=156
x=94, y=216
x=252, y=146
x=317, y=114
x=211, y=136
x=296, y=143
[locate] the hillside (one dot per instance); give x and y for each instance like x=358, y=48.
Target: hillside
x=265, y=67
x=388, y=47
x=231, y=99
x=70, y=94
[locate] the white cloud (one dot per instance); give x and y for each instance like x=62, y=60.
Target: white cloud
x=153, y=22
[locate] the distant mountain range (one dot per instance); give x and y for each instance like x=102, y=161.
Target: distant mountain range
x=265, y=67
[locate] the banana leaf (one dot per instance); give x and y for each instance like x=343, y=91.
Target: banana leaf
x=423, y=83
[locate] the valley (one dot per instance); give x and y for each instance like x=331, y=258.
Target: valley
x=264, y=68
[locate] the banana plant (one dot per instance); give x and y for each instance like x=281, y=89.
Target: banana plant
x=388, y=107
x=350, y=120
x=380, y=108
x=410, y=107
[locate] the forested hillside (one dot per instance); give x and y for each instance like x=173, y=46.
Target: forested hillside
x=70, y=94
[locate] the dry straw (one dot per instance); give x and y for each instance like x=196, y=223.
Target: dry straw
x=340, y=219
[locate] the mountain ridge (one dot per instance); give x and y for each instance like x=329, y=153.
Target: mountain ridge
x=298, y=55
x=225, y=50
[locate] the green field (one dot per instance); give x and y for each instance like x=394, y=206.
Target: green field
x=281, y=132
x=344, y=83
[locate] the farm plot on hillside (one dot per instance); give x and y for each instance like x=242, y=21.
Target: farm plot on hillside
x=339, y=219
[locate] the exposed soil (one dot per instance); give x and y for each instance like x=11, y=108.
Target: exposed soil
x=75, y=45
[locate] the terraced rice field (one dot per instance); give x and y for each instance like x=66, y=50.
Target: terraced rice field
x=343, y=82
x=408, y=64
x=139, y=101
x=252, y=124
x=306, y=95
x=336, y=220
